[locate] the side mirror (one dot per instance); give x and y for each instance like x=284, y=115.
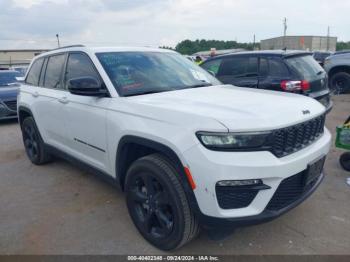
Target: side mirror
x=86, y=86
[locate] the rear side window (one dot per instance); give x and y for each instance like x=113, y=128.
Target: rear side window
x=278, y=68
x=263, y=67
x=54, y=71
x=239, y=67
x=212, y=66
x=34, y=72
x=306, y=66
x=79, y=65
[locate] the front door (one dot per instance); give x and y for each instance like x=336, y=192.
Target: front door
x=85, y=115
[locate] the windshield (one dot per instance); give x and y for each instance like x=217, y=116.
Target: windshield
x=137, y=73
x=8, y=78
x=306, y=66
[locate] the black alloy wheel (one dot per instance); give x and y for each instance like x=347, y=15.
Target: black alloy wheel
x=340, y=83
x=153, y=207
x=158, y=204
x=33, y=143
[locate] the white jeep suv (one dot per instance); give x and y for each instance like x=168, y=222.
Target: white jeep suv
x=186, y=150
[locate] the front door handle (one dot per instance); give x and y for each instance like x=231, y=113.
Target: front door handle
x=63, y=100
x=35, y=94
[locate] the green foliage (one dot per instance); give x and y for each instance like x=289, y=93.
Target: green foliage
x=343, y=46
x=189, y=47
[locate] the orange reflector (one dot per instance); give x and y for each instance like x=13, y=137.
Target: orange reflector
x=190, y=178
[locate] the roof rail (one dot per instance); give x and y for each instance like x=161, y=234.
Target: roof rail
x=67, y=46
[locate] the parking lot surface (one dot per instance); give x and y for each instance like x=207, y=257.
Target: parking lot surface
x=59, y=209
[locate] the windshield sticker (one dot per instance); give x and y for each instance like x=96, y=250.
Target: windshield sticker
x=199, y=76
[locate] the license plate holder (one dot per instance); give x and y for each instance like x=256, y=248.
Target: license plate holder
x=314, y=169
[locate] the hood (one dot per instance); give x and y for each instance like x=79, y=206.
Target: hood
x=238, y=109
x=7, y=93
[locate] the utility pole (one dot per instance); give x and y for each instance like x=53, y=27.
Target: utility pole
x=58, y=40
x=284, y=32
x=254, y=43
x=328, y=34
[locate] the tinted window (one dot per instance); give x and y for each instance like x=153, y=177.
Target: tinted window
x=239, y=67
x=278, y=68
x=136, y=73
x=34, y=72
x=8, y=78
x=264, y=67
x=53, y=71
x=79, y=65
x=306, y=66
x=212, y=66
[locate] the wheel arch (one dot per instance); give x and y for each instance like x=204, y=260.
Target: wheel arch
x=339, y=68
x=131, y=148
x=23, y=112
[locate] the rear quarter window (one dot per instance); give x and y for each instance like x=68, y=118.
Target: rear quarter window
x=306, y=66
x=278, y=68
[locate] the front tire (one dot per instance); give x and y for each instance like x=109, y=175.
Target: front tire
x=157, y=203
x=340, y=83
x=33, y=143
x=345, y=161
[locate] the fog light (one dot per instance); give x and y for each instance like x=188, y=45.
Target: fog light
x=249, y=182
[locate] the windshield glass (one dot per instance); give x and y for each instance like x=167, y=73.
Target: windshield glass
x=137, y=73
x=8, y=78
x=306, y=66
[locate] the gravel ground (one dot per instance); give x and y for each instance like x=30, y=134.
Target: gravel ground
x=59, y=209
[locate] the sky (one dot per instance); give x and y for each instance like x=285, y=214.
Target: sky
x=35, y=23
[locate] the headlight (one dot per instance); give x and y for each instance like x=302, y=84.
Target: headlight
x=234, y=141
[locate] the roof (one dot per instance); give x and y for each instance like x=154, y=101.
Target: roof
x=23, y=50
x=105, y=49
x=268, y=52
x=322, y=36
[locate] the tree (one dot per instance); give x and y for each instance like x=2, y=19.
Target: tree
x=343, y=46
x=189, y=47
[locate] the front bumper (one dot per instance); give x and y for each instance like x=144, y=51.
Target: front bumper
x=8, y=109
x=209, y=167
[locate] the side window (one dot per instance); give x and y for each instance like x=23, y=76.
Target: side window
x=79, y=65
x=34, y=72
x=212, y=66
x=239, y=67
x=54, y=71
x=278, y=68
x=263, y=67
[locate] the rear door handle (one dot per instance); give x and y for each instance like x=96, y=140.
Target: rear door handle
x=63, y=100
x=35, y=94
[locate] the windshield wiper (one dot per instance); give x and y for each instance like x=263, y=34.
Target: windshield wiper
x=319, y=73
x=198, y=85
x=147, y=92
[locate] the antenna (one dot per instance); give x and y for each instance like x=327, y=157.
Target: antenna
x=58, y=40
x=328, y=34
x=284, y=32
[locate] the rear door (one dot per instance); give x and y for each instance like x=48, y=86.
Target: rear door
x=239, y=71
x=46, y=104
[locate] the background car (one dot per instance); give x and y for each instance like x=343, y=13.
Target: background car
x=287, y=71
x=338, y=69
x=20, y=69
x=320, y=56
x=8, y=94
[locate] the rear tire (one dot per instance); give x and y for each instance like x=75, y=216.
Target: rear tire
x=340, y=83
x=33, y=143
x=158, y=204
x=345, y=161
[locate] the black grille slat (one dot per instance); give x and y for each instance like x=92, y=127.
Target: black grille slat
x=290, y=190
x=291, y=139
x=11, y=105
